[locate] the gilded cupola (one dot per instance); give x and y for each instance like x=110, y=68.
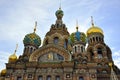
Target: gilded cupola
x=13, y=57
x=94, y=29
x=3, y=72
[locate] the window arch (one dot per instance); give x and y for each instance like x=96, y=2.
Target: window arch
x=46, y=42
x=81, y=78
x=65, y=43
x=75, y=49
x=90, y=40
x=56, y=39
x=40, y=77
x=82, y=49
x=31, y=49
x=57, y=78
x=92, y=54
x=49, y=77
x=99, y=51
x=97, y=39
x=93, y=39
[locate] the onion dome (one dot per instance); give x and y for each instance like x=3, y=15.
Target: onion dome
x=94, y=29
x=77, y=37
x=59, y=13
x=3, y=72
x=13, y=57
x=32, y=39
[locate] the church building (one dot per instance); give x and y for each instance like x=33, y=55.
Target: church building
x=63, y=55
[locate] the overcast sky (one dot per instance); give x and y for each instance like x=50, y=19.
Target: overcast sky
x=17, y=18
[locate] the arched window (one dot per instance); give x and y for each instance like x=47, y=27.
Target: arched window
x=65, y=43
x=46, y=42
x=96, y=38
x=99, y=51
x=82, y=49
x=75, y=49
x=31, y=50
x=99, y=65
x=49, y=77
x=57, y=78
x=40, y=77
x=81, y=78
x=19, y=78
x=78, y=48
x=93, y=39
x=92, y=54
x=99, y=38
x=90, y=40
x=56, y=40
x=104, y=71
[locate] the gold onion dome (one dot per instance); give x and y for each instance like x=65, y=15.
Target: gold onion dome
x=3, y=72
x=32, y=38
x=94, y=29
x=13, y=57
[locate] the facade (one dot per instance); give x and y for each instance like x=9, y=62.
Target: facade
x=63, y=56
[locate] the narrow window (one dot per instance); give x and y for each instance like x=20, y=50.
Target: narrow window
x=56, y=40
x=81, y=48
x=93, y=39
x=40, y=78
x=96, y=38
x=31, y=50
x=57, y=78
x=46, y=42
x=99, y=51
x=19, y=78
x=75, y=49
x=81, y=78
x=65, y=43
x=92, y=54
x=49, y=78
x=78, y=48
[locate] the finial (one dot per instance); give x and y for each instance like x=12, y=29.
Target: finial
x=110, y=64
x=92, y=21
x=16, y=49
x=60, y=5
x=77, y=25
x=35, y=26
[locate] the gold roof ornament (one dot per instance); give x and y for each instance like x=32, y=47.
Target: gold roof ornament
x=60, y=5
x=13, y=57
x=35, y=26
x=92, y=22
x=77, y=25
x=113, y=76
x=94, y=29
x=3, y=72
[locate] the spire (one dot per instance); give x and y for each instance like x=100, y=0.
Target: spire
x=16, y=49
x=35, y=26
x=113, y=76
x=60, y=5
x=77, y=25
x=92, y=22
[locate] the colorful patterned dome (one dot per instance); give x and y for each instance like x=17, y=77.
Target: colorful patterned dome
x=32, y=39
x=12, y=58
x=3, y=72
x=59, y=13
x=77, y=37
x=94, y=29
